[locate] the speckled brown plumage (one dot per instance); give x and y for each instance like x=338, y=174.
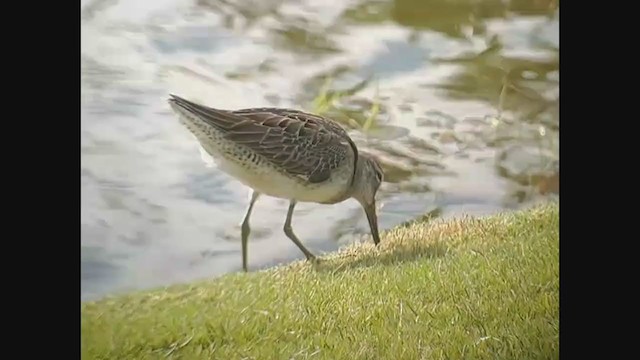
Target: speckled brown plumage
x=302, y=144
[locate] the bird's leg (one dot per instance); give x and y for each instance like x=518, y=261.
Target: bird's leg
x=289, y=232
x=246, y=229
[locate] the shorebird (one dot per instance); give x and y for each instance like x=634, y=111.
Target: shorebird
x=285, y=153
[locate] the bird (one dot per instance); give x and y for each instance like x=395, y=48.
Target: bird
x=288, y=154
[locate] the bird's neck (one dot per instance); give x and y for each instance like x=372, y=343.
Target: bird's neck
x=351, y=189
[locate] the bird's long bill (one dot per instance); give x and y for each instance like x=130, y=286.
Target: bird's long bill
x=370, y=210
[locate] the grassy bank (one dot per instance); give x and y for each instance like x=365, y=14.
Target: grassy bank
x=464, y=289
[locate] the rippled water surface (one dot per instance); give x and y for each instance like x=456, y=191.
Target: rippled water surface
x=459, y=98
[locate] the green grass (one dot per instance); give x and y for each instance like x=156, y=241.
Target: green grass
x=327, y=103
x=483, y=288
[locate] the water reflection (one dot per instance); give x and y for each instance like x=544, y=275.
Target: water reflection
x=459, y=100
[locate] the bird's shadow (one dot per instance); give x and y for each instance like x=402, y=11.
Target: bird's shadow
x=359, y=258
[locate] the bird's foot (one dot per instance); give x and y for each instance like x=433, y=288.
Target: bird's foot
x=313, y=260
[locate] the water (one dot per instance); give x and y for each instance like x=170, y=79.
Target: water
x=468, y=121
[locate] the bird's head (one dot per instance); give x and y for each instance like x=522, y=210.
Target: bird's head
x=368, y=177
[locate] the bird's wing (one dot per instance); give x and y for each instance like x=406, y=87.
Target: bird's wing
x=302, y=144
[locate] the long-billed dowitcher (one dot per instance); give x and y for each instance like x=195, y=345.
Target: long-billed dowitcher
x=286, y=154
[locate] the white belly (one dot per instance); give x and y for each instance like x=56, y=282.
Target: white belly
x=266, y=179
